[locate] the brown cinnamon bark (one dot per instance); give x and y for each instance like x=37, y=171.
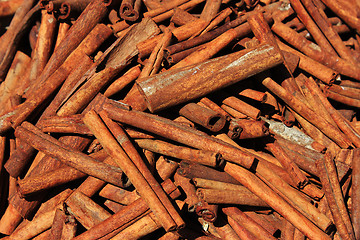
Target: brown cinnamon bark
x=315, y=68
x=222, y=230
x=350, y=101
x=62, y=30
x=265, y=221
x=200, y=156
x=251, y=128
x=180, y=33
x=85, y=210
x=13, y=85
x=305, y=158
x=124, y=217
x=355, y=207
x=142, y=227
x=64, y=9
x=208, y=212
x=339, y=222
x=266, y=173
x=185, y=6
x=233, y=112
x=350, y=83
x=303, y=110
x=32, y=228
x=207, y=50
x=239, y=197
x=114, y=63
x=164, y=7
x=88, y=46
x=254, y=94
x=92, y=185
x=181, y=17
x=242, y=107
x=253, y=227
x=122, y=81
x=130, y=10
x=57, y=225
x=93, y=121
x=240, y=230
x=113, y=206
x=93, y=14
x=75, y=124
x=25, y=207
x=181, y=46
x=327, y=28
x=58, y=150
x=200, y=80
x=152, y=4
x=344, y=13
x=212, y=105
x=344, y=90
x=71, y=82
x=261, y=190
x=341, y=123
x=152, y=65
x=166, y=167
x=216, y=20
x=193, y=170
x=337, y=192
x=8, y=8
x=311, y=26
x=298, y=177
x=203, y=116
x=312, y=50
x=69, y=228
x=118, y=195
x=130, y=150
x=10, y=220
x=314, y=100
x=9, y=42
x=192, y=200
x=169, y=236
x=67, y=124
x=210, y=10
x=179, y=133
x=44, y=44
x=213, y=184
x=54, y=178
x=177, y=57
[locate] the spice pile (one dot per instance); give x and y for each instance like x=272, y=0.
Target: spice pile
x=179, y=119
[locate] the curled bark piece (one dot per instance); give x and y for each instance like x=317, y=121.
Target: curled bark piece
x=129, y=9
x=203, y=116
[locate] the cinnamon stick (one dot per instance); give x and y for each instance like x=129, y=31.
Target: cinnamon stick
x=179, y=133
x=203, y=157
x=124, y=217
x=113, y=148
x=355, y=194
x=247, y=222
x=199, y=75
x=203, y=116
x=85, y=210
x=56, y=149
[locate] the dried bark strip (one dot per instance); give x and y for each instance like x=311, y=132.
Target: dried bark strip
x=179, y=133
x=200, y=79
x=93, y=121
x=76, y=159
x=115, y=59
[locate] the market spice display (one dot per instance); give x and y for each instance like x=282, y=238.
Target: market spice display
x=179, y=119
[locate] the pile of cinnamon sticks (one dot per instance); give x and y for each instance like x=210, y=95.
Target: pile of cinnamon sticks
x=179, y=119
